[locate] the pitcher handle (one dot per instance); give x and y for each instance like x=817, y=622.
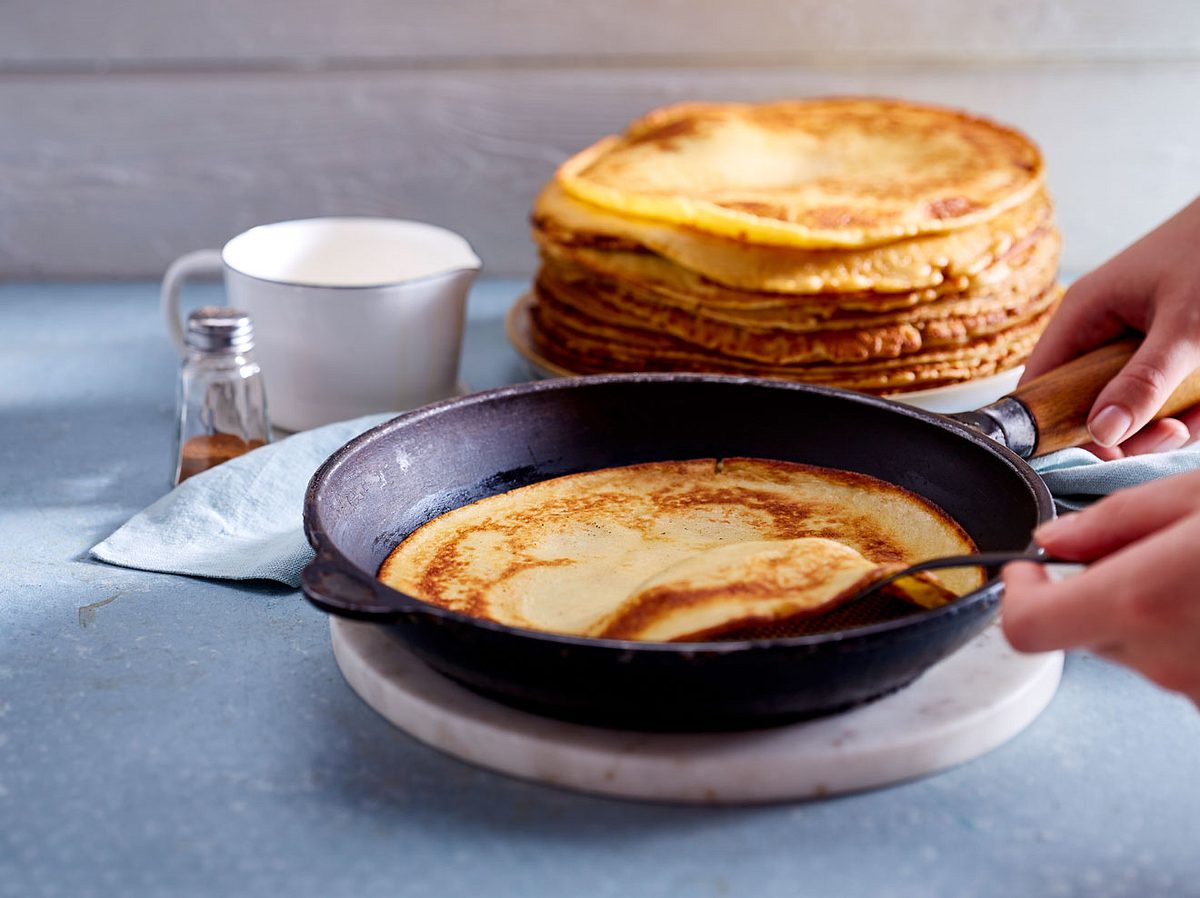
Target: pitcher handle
x=203, y=261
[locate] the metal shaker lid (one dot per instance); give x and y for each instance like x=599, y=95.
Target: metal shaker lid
x=219, y=329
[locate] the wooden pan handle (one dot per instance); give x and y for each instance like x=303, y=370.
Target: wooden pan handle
x=1060, y=400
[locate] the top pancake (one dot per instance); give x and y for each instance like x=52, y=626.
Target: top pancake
x=564, y=555
x=759, y=583
x=828, y=173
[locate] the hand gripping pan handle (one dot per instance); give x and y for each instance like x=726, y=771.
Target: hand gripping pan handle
x=1051, y=411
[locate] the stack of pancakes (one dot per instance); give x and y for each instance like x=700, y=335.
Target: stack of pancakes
x=870, y=244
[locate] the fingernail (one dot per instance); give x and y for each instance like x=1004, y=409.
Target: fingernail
x=1110, y=426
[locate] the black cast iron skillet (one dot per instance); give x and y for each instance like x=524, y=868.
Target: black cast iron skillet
x=383, y=485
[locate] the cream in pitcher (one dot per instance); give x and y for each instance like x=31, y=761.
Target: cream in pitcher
x=353, y=316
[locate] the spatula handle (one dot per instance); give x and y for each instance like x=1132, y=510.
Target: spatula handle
x=1060, y=400
x=978, y=559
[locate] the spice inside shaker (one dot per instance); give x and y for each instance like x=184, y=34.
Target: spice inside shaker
x=222, y=403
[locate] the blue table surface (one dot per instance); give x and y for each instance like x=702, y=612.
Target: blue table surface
x=164, y=735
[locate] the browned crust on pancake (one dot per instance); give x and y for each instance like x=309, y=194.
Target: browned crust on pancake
x=976, y=169
x=662, y=283
x=778, y=471
x=607, y=307
x=866, y=277
x=652, y=604
x=788, y=519
x=577, y=348
x=880, y=245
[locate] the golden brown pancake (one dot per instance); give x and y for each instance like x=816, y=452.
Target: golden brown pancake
x=835, y=172
x=922, y=262
x=613, y=310
x=869, y=244
x=1027, y=268
x=591, y=347
x=763, y=583
x=565, y=554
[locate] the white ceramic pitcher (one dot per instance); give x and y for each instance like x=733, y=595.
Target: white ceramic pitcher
x=352, y=316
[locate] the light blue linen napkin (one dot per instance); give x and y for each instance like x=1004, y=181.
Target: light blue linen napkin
x=242, y=520
x=1076, y=477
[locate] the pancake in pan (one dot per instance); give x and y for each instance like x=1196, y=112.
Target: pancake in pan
x=756, y=584
x=565, y=555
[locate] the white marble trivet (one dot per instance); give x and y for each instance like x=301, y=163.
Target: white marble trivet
x=965, y=706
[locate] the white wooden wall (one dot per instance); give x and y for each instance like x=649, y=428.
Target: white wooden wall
x=134, y=130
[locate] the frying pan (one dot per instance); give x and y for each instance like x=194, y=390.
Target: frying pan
x=383, y=485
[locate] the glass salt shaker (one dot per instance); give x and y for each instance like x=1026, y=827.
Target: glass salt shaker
x=222, y=404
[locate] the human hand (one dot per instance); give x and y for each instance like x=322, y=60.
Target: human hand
x=1137, y=603
x=1152, y=287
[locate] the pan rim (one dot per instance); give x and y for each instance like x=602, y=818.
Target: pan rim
x=861, y=636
